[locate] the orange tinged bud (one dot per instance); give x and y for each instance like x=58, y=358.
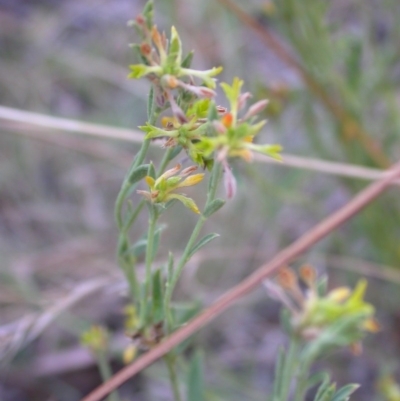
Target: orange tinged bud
x=287, y=278
x=227, y=120
x=372, y=325
x=145, y=49
x=308, y=275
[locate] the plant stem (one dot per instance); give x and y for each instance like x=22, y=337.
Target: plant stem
x=170, y=361
x=106, y=373
x=164, y=161
x=302, y=379
x=153, y=216
x=214, y=179
x=291, y=363
x=137, y=161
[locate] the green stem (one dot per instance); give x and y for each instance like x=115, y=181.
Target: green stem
x=153, y=216
x=126, y=187
x=128, y=263
x=291, y=363
x=106, y=373
x=170, y=361
x=137, y=161
x=164, y=161
x=303, y=374
x=214, y=180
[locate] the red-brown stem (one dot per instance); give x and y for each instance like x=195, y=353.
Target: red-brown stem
x=305, y=242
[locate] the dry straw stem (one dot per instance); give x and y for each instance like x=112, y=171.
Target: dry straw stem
x=21, y=122
x=350, y=126
x=284, y=257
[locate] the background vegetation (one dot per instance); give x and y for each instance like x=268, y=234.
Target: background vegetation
x=333, y=83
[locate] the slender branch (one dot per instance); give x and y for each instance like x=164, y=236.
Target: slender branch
x=288, y=254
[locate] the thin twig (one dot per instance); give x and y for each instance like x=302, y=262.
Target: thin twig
x=287, y=255
x=28, y=119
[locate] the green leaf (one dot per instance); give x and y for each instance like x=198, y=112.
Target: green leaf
x=137, y=71
x=156, y=241
x=151, y=171
x=158, y=300
x=137, y=174
x=204, y=241
x=150, y=103
x=345, y=392
x=148, y=13
x=232, y=93
x=213, y=207
x=187, y=61
x=187, y=202
x=195, y=380
x=199, y=108
x=279, y=368
x=322, y=286
x=175, y=49
x=175, y=152
x=170, y=265
x=316, y=378
x=323, y=389
x=286, y=322
x=139, y=248
x=269, y=150
x=168, y=204
x=212, y=112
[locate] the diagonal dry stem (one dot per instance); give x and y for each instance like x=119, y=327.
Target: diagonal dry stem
x=305, y=242
x=24, y=123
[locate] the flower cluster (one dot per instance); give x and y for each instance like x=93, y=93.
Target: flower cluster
x=160, y=190
x=313, y=314
x=163, y=65
x=205, y=130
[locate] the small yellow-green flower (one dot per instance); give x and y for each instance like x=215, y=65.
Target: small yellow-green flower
x=235, y=133
x=185, y=133
x=313, y=314
x=160, y=190
x=96, y=339
x=164, y=61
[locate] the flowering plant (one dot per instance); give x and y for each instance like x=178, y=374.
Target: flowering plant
x=211, y=135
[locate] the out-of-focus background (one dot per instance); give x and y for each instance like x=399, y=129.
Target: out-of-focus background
x=339, y=103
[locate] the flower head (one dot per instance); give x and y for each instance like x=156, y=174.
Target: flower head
x=341, y=311
x=235, y=133
x=185, y=132
x=96, y=339
x=162, y=63
x=160, y=190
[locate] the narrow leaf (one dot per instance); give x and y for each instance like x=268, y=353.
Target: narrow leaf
x=150, y=103
x=139, y=248
x=213, y=207
x=151, y=171
x=345, y=392
x=322, y=388
x=177, y=149
x=204, y=241
x=187, y=61
x=195, y=380
x=157, y=297
x=137, y=174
